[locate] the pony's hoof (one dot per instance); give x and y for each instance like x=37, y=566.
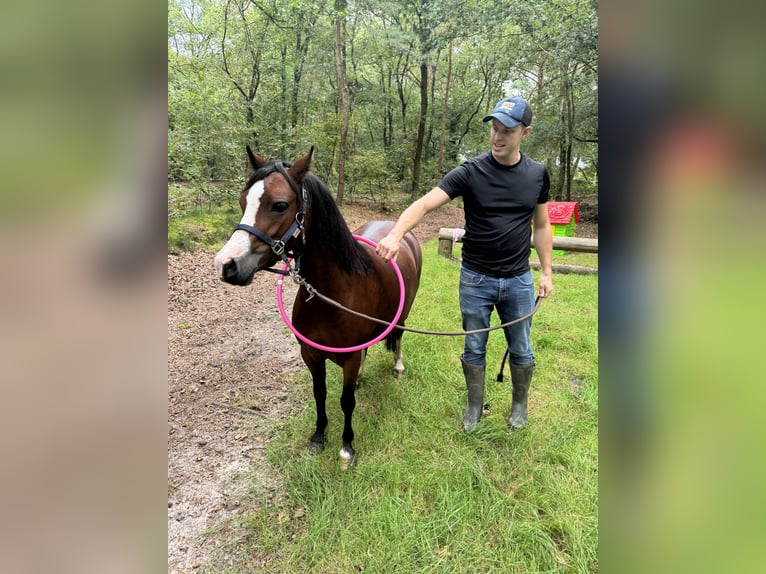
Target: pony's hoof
x=347, y=459
x=398, y=373
x=316, y=444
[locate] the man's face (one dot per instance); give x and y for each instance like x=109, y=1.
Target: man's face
x=506, y=141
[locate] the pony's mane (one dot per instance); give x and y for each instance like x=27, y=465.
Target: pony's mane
x=329, y=230
x=326, y=230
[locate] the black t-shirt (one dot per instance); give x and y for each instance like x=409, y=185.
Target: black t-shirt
x=499, y=203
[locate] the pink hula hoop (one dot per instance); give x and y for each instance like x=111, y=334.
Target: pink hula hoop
x=308, y=341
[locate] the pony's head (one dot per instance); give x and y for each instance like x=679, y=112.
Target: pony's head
x=273, y=206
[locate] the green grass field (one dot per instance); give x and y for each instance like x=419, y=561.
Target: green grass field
x=426, y=497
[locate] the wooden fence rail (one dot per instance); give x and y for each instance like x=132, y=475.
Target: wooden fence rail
x=449, y=236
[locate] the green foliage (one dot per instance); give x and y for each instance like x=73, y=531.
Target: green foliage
x=201, y=217
x=369, y=174
x=265, y=75
x=425, y=496
x=200, y=230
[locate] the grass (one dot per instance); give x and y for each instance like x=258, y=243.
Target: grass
x=201, y=216
x=571, y=258
x=426, y=497
x=202, y=228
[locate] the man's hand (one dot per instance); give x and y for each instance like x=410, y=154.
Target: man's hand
x=545, y=285
x=388, y=247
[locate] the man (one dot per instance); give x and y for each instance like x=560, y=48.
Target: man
x=503, y=192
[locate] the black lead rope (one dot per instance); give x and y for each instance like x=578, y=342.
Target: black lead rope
x=538, y=300
x=421, y=331
x=502, y=366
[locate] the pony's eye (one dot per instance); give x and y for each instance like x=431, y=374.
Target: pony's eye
x=280, y=207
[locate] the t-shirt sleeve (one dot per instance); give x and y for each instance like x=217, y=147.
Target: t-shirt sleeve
x=544, y=192
x=455, y=182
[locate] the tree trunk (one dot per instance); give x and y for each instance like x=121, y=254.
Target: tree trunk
x=563, y=130
x=388, y=128
x=401, y=74
x=575, y=163
x=283, y=87
x=250, y=122
x=444, y=110
x=343, y=91
x=418, y=152
x=570, y=140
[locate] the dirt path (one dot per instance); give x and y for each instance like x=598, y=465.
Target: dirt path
x=228, y=358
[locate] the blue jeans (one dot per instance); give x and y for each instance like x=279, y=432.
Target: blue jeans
x=513, y=297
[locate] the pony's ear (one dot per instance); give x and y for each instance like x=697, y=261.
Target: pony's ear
x=255, y=161
x=301, y=167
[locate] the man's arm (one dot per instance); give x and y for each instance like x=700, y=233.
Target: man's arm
x=543, y=240
x=388, y=247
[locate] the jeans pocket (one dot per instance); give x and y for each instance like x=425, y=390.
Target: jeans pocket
x=526, y=279
x=470, y=278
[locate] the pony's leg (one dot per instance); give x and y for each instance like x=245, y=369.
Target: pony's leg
x=361, y=368
x=398, y=364
x=318, y=376
x=347, y=404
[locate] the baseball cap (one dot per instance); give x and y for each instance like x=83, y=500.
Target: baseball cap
x=511, y=112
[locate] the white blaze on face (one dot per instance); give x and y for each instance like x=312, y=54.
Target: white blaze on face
x=239, y=243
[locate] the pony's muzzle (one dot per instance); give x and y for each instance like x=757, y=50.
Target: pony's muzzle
x=234, y=272
x=229, y=271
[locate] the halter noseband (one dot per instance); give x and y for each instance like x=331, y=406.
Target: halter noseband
x=296, y=229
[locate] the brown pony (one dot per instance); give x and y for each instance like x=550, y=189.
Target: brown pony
x=289, y=215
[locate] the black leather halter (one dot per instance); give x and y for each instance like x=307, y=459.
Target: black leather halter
x=296, y=229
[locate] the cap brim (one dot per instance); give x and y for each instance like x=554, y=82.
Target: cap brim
x=503, y=119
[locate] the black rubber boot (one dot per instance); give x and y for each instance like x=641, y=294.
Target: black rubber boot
x=474, y=382
x=521, y=377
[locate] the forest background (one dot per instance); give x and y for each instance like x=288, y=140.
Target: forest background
x=390, y=94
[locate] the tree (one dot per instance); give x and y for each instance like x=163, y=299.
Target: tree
x=244, y=73
x=560, y=54
x=340, y=62
x=372, y=84
x=442, y=132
